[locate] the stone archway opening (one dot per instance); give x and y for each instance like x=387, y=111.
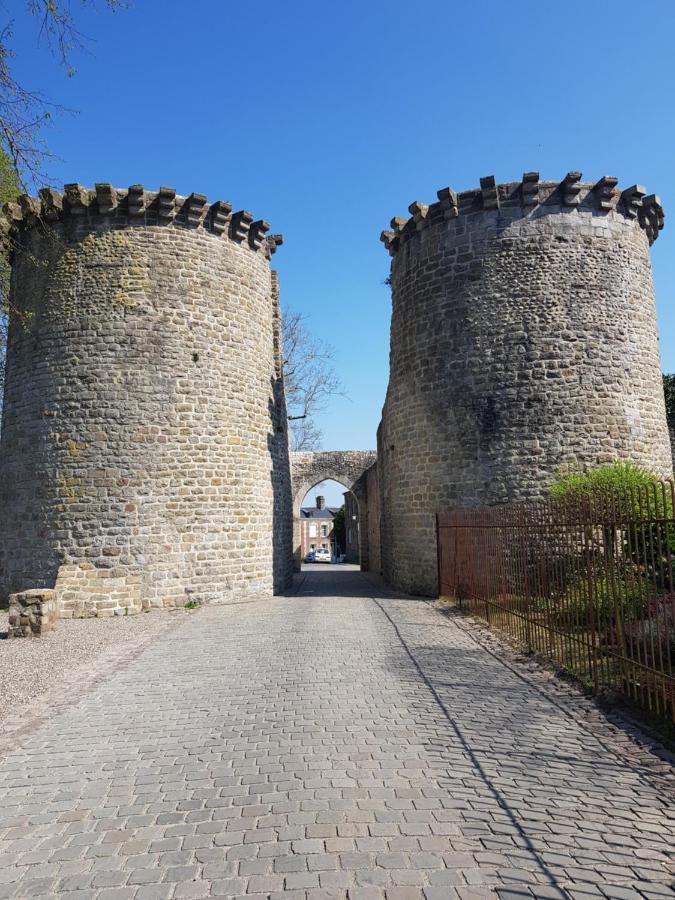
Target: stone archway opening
x=329, y=521
x=347, y=467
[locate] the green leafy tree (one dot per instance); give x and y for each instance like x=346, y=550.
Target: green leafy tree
x=669, y=391
x=339, y=528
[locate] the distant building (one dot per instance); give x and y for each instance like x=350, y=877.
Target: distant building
x=316, y=527
x=351, y=528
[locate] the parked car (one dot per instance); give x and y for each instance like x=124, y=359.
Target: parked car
x=322, y=555
x=310, y=556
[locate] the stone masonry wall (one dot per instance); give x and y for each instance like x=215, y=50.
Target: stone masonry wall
x=144, y=444
x=373, y=526
x=523, y=338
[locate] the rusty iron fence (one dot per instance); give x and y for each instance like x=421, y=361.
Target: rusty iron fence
x=586, y=581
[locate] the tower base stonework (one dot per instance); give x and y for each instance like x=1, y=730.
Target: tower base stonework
x=144, y=448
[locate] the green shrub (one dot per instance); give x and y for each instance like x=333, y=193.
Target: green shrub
x=608, y=600
x=610, y=479
x=654, y=634
x=623, y=496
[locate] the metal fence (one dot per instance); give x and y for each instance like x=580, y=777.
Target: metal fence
x=585, y=581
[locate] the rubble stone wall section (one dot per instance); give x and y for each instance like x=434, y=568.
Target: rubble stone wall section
x=143, y=456
x=523, y=338
x=32, y=613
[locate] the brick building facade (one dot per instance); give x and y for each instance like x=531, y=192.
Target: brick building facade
x=316, y=527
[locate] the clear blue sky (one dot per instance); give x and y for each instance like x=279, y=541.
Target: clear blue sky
x=331, y=491
x=327, y=119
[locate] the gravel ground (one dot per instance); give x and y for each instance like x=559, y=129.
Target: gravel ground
x=33, y=669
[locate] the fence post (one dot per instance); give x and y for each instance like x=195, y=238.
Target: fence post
x=438, y=555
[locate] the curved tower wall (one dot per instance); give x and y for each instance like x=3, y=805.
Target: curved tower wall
x=523, y=338
x=143, y=456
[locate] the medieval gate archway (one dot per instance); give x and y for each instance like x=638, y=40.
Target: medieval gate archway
x=349, y=467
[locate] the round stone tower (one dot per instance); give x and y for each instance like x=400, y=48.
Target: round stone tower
x=523, y=338
x=144, y=453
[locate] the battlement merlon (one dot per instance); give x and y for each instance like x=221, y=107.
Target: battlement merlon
x=530, y=195
x=135, y=206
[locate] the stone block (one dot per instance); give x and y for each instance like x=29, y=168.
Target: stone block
x=32, y=613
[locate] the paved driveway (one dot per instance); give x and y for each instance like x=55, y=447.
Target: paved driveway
x=332, y=744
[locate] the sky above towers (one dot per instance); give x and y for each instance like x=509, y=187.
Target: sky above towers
x=328, y=119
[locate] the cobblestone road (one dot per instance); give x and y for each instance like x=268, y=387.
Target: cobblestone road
x=332, y=744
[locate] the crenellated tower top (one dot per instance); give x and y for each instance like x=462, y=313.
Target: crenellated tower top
x=132, y=206
x=530, y=197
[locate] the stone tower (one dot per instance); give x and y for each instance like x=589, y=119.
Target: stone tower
x=144, y=453
x=523, y=338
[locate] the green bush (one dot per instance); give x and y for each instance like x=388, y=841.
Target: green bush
x=655, y=633
x=610, y=479
x=635, y=530
x=602, y=605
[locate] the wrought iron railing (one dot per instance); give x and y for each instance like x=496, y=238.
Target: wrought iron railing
x=586, y=581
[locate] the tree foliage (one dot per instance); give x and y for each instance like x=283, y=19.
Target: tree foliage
x=339, y=527
x=669, y=391
x=310, y=379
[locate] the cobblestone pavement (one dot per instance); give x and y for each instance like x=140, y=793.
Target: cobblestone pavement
x=332, y=744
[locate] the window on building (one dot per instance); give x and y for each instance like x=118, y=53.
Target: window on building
x=312, y=530
x=324, y=531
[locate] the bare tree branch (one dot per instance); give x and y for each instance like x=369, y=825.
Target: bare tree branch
x=310, y=379
x=24, y=113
